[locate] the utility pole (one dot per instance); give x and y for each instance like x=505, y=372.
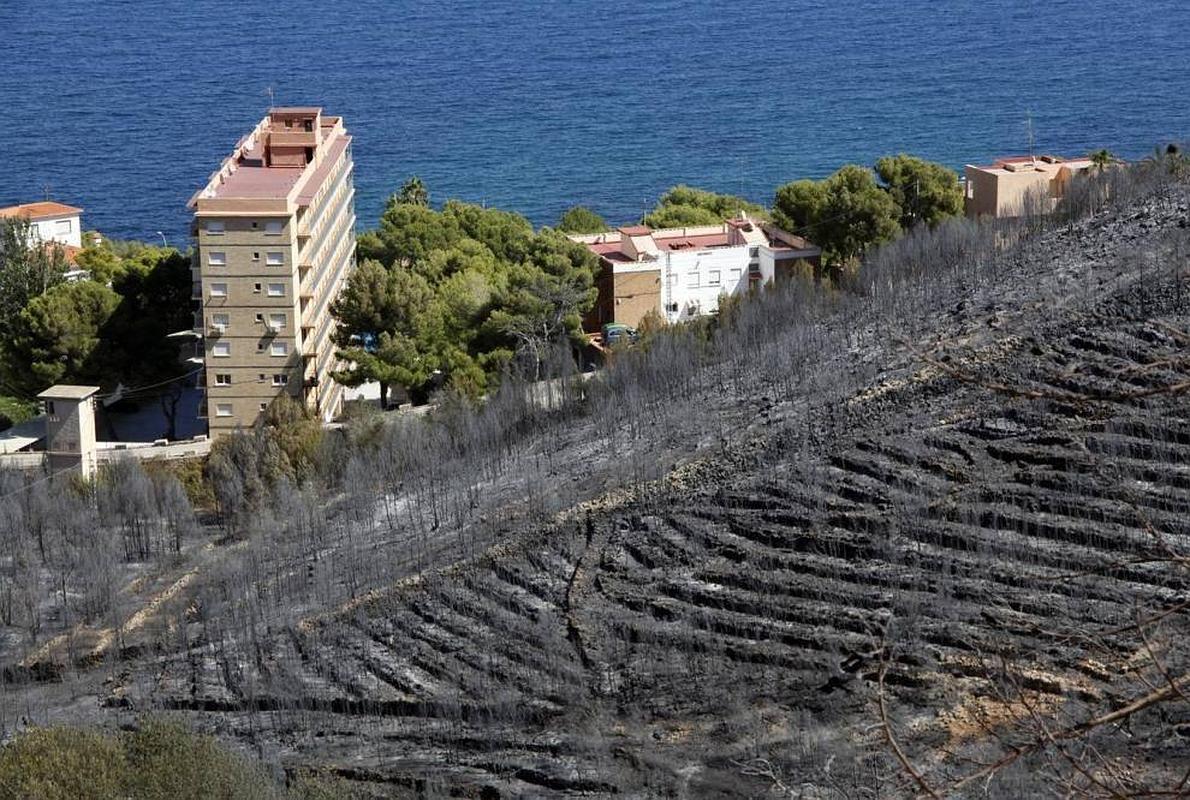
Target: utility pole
x=1029, y=133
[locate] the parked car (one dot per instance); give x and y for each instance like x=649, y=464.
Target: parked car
x=618, y=333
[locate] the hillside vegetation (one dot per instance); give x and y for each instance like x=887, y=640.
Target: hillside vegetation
x=925, y=535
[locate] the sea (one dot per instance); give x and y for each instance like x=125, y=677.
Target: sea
x=124, y=107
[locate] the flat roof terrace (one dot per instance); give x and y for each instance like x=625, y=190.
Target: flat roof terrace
x=253, y=182
x=243, y=175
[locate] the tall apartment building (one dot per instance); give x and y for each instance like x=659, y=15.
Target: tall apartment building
x=275, y=233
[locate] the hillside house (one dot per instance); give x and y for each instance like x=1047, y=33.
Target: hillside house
x=1001, y=189
x=682, y=272
x=50, y=223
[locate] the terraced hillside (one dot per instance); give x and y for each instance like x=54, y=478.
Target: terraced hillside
x=891, y=586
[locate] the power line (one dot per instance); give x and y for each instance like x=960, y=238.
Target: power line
x=31, y=484
x=138, y=389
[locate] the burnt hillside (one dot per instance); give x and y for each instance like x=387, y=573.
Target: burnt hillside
x=898, y=541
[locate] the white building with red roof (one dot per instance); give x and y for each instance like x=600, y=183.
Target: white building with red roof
x=49, y=222
x=682, y=272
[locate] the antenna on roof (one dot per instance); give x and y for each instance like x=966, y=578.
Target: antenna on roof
x=269, y=92
x=1029, y=133
x=46, y=188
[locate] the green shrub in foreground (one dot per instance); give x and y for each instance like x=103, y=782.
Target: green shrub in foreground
x=160, y=761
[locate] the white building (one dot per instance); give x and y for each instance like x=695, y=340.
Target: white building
x=49, y=222
x=682, y=272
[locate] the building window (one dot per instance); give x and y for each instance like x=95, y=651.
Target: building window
x=218, y=290
x=735, y=275
x=223, y=379
x=217, y=258
x=274, y=259
x=220, y=321
x=215, y=227
x=256, y=288
x=255, y=225
x=753, y=252
x=280, y=379
x=63, y=226
x=256, y=256
x=278, y=349
x=264, y=406
x=276, y=289
x=49, y=407
x=713, y=277
x=221, y=349
x=276, y=321
x=261, y=377
x=692, y=280
x=273, y=227
x=223, y=409
x=260, y=317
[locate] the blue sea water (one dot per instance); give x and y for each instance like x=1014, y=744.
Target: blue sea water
x=125, y=106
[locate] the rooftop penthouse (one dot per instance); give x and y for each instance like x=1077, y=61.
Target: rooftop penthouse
x=278, y=167
x=1002, y=188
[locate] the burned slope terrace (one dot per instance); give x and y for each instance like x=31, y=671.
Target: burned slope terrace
x=946, y=497
x=1008, y=492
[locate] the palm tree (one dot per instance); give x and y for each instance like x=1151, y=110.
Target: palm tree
x=1102, y=158
x=414, y=192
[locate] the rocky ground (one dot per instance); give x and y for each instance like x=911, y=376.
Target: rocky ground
x=999, y=484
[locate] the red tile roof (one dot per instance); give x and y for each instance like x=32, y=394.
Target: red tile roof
x=42, y=210
x=635, y=230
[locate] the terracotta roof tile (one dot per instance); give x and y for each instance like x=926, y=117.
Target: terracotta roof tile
x=42, y=210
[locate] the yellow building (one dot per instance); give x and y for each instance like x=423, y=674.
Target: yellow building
x=275, y=234
x=1003, y=189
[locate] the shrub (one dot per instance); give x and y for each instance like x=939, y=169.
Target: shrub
x=161, y=760
x=14, y=411
x=62, y=764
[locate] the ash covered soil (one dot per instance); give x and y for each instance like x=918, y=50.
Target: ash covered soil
x=996, y=485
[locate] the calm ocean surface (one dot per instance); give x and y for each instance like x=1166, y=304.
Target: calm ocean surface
x=124, y=106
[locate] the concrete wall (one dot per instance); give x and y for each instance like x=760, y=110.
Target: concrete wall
x=635, y=294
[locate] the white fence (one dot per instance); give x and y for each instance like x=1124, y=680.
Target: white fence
x=113, y=451
x=190, y=448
